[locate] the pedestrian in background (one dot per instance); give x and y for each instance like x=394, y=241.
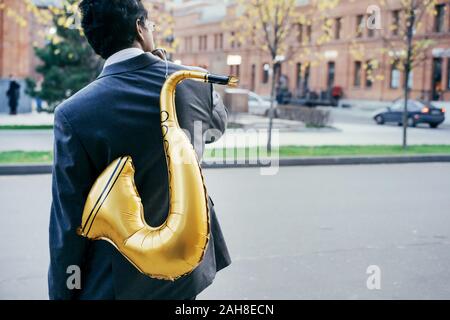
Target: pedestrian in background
x=13, y=95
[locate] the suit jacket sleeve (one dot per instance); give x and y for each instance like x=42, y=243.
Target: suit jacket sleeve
x=219, y=117
x=201, y=112
x=71, y=182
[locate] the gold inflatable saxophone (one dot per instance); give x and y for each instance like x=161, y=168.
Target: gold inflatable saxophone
x=114, y=210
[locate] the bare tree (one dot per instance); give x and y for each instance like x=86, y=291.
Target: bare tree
x=406, y=48
x=271, y=24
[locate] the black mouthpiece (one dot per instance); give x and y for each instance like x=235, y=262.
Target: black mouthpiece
x=214, y=78
x=224, y=80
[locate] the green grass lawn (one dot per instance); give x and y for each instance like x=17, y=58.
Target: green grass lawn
x=9, y=157
x=284, y=152
x=328, y=151
x=26, y=127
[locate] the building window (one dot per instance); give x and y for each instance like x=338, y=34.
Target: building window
x=439, y=19
x=265, y=73
x=306, y=81
x=298, y=76
x=395, y=22
x=300, y=33
x=437, y=84
x=448, y=74
x=218, y=41
x=205, y=43
x=253, y=36
x=359, y=25
x=202, y=43
x=253, y=78
x=370, y=30
x=338, y=28
x=188, y=44
x=309, y=33
x=235, y=70
x=395, y=76
x=357, y=74
x=233, y=41
x=221, y=41
x=369, y=74
x=331, y=75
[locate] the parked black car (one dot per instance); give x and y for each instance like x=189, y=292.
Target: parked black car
x=312, y=99
x=418, y=112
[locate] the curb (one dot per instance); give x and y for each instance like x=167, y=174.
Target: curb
x=18, y=170
x=33, y=169
x=332, y=161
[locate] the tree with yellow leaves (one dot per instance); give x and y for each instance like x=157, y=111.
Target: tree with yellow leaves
x=404, y=45
x=161, y=14
x=68, y=62
x=272, y=27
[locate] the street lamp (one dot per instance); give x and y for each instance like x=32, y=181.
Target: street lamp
x=170, y=39
x=234, y=60
x=280, y=59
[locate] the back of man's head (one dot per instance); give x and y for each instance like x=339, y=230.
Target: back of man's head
x=110, y=25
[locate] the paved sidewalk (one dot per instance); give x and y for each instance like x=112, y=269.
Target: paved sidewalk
x=343, y=134
x=29, y=119
x=248, y=121
x=350, y=128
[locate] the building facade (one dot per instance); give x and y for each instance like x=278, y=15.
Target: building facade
x=15, y=38
x=21, y=30
x=347, y=60
x=18, y=32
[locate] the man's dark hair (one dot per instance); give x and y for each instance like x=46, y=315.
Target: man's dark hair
x=110, y=25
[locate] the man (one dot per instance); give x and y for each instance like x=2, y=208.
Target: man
x=119, y=114
x=13, y=95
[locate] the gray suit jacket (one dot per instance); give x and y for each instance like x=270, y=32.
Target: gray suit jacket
x=118, y=114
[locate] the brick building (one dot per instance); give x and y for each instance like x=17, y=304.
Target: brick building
x=205, y=41
x=15, y=39
x=19, y=33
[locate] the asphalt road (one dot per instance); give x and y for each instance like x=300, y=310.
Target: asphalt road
x=305, y=233
x=361, y=116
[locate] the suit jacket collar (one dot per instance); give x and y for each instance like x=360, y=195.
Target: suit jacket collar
x=132, y=64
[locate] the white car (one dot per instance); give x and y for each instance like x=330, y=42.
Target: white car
x=257, y=104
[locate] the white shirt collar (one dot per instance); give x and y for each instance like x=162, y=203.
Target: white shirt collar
x=123, y=55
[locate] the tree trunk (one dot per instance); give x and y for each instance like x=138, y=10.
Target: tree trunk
x=407, y=66
x=405, y=108
x=272, y=108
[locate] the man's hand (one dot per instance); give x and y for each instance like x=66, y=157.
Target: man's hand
x=160, y=53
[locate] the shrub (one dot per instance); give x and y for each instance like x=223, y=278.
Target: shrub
x=312, y=117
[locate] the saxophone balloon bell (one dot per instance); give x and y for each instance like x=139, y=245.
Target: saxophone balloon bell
x=114, y=212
